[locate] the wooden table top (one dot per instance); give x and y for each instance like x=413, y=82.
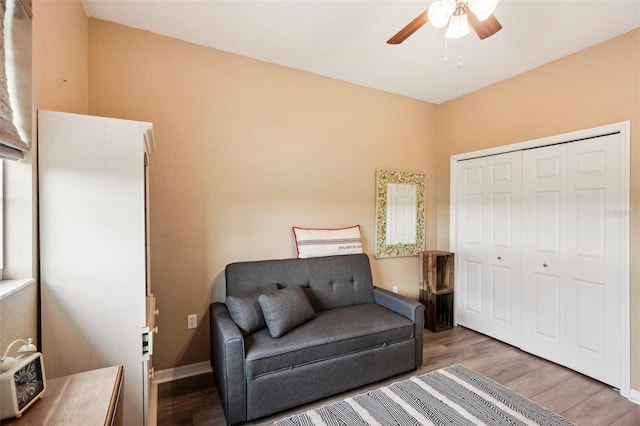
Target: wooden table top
x=88, y=398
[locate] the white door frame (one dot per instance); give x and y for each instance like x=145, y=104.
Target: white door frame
x=624, y=128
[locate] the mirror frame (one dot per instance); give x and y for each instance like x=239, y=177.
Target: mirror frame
x=383, y=179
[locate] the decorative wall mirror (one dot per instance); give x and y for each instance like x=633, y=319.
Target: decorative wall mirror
x=400, y=213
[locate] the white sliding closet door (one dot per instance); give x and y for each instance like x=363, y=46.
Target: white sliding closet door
x=572, y=247
x=488, y=287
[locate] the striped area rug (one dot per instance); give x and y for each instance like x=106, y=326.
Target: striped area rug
x=454, y=395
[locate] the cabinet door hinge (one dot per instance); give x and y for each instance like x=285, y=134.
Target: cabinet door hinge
x=147, y=343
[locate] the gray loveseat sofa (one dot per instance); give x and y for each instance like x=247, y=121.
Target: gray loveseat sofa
x=345, y=333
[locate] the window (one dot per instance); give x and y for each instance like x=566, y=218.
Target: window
x=1, y=217
x=16, y=181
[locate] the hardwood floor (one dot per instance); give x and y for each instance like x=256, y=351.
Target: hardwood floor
x=194, y=401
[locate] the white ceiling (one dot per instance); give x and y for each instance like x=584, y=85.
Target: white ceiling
x=346, y=40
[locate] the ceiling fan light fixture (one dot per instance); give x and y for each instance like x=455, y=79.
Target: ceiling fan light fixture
x=458, y=26
x=440, y=11
x=483, y=8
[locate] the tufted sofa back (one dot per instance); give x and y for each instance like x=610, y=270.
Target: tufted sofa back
x=330, y=281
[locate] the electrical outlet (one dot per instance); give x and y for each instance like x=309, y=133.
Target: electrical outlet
x=395, y=289
x=192, y=321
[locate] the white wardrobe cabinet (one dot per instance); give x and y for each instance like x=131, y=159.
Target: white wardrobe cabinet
x=97, y=309
x=540, y=241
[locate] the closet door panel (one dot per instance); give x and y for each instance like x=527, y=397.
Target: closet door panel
x=500, y=216
x=547, y=309
x=488, y=283
x=470, y=257
x=590, y=219
x=502, y=242
x=594, y=218
x=548, y=210
x=472, y=274
x=501, y=306
x=589, y=315
x=543, y=277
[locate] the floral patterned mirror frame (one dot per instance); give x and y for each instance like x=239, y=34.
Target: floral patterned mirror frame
x=385, y=200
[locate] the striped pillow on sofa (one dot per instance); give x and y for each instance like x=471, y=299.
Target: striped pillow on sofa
x=314, y=242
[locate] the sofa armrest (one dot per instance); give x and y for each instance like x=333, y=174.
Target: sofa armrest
x=407, y=307
x=227, y=362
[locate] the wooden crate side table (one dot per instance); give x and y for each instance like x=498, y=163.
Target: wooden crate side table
x=436, y=289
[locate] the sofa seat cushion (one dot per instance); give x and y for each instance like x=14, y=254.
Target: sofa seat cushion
x=330, y=334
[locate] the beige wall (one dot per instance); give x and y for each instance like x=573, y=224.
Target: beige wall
x=15, y=324
x=60, y=43
x=597, y=86
x=245, y=150
x=59, y=53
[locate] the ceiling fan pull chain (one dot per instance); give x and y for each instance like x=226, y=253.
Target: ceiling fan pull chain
x=445, y=50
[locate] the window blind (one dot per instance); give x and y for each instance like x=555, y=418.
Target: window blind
x=12, y=144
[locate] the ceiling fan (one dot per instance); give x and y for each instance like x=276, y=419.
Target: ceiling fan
x=459, y=14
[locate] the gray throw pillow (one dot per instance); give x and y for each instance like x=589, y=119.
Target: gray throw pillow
x=285, y=310
x=245, y=310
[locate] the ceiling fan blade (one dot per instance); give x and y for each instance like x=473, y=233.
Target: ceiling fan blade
x=409, y=29
x=485, y=28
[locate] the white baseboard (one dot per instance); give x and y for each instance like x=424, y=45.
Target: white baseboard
x=182, y=372
x=634, y=396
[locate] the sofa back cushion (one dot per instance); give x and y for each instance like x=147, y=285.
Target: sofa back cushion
x=330, y=281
